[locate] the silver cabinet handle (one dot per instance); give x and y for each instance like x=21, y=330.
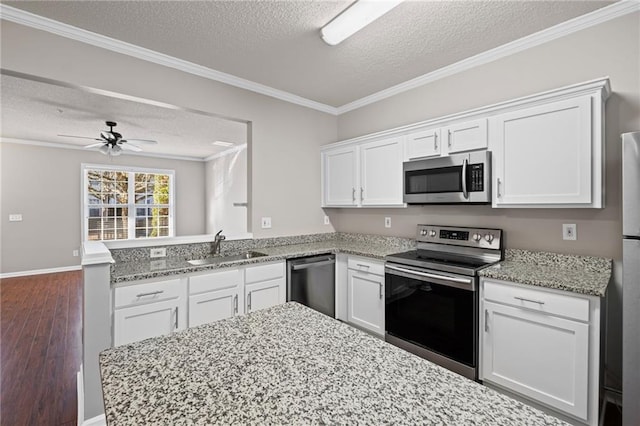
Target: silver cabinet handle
x=353, y=194
x=176, y=323
x=380, y=285
x=449, y=138
x=486, y=321
x=465, y=193
x=249, y=302
x=499, y=182
x=522, y=299
x=235, y=304
x=362, y=265
x=361, y=194
x=151, y=293
x=435, y=140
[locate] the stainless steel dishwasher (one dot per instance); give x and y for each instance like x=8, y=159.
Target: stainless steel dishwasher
x=311, y=281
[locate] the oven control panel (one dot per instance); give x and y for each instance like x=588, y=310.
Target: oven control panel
x=461, y=236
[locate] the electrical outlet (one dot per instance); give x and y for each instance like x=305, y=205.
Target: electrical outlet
x=158, y=252
x=569, y=231
x=15, y=217
x=326, y=220
x=266, y=222
x=387, y=222
x=76, y=253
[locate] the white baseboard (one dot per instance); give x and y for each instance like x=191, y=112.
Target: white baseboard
x=40, y=271
x=100, y=420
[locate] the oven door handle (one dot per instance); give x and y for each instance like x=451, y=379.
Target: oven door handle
x=458, y=282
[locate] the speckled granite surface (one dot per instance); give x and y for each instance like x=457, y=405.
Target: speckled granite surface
x=292, y=365
x=365, y=245
x=578, y=274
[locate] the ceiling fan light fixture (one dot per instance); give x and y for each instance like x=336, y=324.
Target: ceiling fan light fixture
x=115, y=150
x=357, y=16
x=104, y=149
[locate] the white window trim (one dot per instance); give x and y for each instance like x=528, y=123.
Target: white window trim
x=84, y=208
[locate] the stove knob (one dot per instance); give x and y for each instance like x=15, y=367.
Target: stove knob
x=432, y=233
x=423, y=232
x=488, y=237
x=477, y=237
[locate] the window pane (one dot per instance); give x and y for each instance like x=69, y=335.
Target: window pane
x=141, y=212
x=94, y=212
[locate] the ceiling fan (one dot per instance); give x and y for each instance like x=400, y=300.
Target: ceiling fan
x=112, y=143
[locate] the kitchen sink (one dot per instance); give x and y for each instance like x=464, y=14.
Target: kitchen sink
x=224, y=259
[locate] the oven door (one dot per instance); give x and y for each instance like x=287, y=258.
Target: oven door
x=460, y=178
x=436, y=311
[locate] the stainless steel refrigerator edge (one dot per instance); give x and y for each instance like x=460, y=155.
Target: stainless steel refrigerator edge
x=311, y=282
x=631, y=278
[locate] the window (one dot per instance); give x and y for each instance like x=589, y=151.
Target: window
x=126, y=203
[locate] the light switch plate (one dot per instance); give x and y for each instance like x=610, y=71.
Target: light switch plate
x=266, y=222
x=569, y=231
x=15, y=217
x=327, y=221
x=158, y=252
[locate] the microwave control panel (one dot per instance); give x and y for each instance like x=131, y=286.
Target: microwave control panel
x=476, y=172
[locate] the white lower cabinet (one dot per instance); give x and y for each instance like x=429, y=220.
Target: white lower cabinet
x=215, y=296
x=148, y=309
x=365, y=284
x=542, y=345
x=265, y=286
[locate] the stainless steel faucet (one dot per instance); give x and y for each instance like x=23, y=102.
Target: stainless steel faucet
x=216, y=243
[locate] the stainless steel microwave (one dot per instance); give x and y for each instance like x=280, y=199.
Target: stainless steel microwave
x=458, y=178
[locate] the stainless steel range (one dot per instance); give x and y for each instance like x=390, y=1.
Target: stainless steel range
x=431, y=304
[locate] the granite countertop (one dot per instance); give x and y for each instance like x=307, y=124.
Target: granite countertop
x=292, y=365
x=578, y=274
x=373, y=247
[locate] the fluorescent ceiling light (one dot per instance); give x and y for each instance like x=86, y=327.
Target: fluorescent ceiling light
x=356, y=17
x=222, y=143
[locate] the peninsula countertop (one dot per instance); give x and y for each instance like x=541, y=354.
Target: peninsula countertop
x=578, y=274
x=291, y=365
x=151, y=268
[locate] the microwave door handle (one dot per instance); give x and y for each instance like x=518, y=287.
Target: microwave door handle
x=465, y=193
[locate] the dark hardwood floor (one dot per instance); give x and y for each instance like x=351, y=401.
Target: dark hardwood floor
x=41, y=348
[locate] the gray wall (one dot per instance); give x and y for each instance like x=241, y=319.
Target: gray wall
x=610, y=49
x=286, y=138
x=44, y=185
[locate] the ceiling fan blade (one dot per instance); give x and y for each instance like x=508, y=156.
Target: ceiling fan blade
x=80, y=137
x=147, y=141
x=130, y=147
x=94, y=145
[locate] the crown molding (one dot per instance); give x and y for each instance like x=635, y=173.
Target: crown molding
x=81, y=148
x=22, y=17
x=596, y=17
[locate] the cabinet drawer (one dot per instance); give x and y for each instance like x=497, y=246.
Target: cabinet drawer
x=272, y=271
x=214, y=281
x=365, y=265
x=138, y=294
x=537, y=300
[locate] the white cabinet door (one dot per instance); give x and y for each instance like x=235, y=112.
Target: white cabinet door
x=381, y=173
x=265, y=294
x=213, y=306
x=144, y=321
x=465, y=136
x=537, y=355
x=542, y=155
x=340, y=175
x=366, y=301
x=425, y=143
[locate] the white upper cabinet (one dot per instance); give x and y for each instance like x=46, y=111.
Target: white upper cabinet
x=465, y=136
x=364, y=175
x=381, y=173
x=543, y=156
x=340, y=175
x=421, y=144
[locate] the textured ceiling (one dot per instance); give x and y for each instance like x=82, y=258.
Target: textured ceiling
x=277, y=43
x=38, y=111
